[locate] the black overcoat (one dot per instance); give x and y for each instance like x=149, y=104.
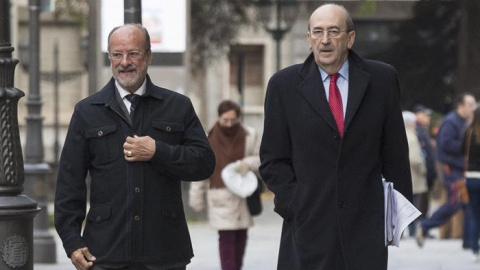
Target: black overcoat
x=136, y=211
x=329, y=189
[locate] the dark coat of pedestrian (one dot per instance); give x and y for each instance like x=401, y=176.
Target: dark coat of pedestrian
x=472, y=175
x=327, y=174
x=136, y=166
x=451, y=155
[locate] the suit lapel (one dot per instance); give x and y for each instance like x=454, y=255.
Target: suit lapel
x=120, y=105
x=110, y=97
x=314, y=93
x=357, y=85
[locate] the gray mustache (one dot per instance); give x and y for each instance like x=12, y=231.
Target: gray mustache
x=126, y=69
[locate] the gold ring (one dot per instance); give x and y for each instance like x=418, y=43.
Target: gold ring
x=129, y=154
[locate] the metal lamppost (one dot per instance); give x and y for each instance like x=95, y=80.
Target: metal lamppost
x=56, y=77
x=277, y=17
x=36, y=168
x=16, y=211
x=132, y=10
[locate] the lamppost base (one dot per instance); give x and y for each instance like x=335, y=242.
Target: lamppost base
x=36, y=187
x=16, y=227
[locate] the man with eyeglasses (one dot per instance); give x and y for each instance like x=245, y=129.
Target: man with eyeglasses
x=137, y=141
x=333, y=128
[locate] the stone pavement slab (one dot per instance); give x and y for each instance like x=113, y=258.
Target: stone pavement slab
x=437, y=254
x=263, y=243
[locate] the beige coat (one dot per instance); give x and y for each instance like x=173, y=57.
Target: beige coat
x=417, y=163
x=227, y=211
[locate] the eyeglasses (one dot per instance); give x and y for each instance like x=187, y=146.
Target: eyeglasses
x=331, y=33
x=226, y=121
x=132, y=55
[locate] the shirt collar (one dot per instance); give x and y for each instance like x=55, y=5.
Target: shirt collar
x=140, y=91
x=343, y=71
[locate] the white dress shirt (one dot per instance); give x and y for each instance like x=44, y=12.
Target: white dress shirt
x=342, y=84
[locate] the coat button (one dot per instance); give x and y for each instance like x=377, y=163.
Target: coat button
x=137, y=190
x=100, y=133
x=137, y=218
x=168, y=128
x=342, y=204
x=97, y=218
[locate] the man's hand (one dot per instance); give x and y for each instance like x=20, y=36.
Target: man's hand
x=139, y=148
x=242, y=168
x=82, y=259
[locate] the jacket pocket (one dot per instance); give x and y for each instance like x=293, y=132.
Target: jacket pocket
x=169, y=132
x=104, y=145
x=99, y=214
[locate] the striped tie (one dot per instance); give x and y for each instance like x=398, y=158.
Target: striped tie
x=134, y=102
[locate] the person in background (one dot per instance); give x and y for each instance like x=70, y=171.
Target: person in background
x=423, y=115
x=451, y=155
x=472, y=174
x=137, y=142
x=227, y=212
x=333, y=128
x=417, y=164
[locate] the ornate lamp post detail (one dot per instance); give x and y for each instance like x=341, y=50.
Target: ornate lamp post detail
x=16, y=211
x=277, y=17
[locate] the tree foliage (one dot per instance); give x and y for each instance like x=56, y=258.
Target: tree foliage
x=425, y=54
x=76, y=9
x=214, y=25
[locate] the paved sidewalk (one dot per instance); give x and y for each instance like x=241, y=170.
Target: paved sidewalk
x=263, y=242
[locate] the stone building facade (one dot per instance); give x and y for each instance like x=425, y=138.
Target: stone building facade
x=373, y=21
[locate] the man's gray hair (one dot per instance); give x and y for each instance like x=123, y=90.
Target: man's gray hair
x=145, y=32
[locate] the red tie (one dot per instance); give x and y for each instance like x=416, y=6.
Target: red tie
x=335, y=102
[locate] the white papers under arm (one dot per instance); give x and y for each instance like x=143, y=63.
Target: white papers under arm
x=406, y=214
x=399, y=213
x=390, y=214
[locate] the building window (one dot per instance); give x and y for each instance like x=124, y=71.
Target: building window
x=246, y=74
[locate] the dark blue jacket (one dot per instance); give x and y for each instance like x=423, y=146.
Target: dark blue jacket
x=449, y=145
x=136, y=211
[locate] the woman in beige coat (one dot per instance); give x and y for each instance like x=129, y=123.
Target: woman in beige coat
x=227, y=212
x=418, y=168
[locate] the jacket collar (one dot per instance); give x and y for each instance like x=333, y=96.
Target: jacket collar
x=314, y=92
x=107, y=95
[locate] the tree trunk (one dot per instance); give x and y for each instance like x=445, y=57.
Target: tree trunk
x=469, y=54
